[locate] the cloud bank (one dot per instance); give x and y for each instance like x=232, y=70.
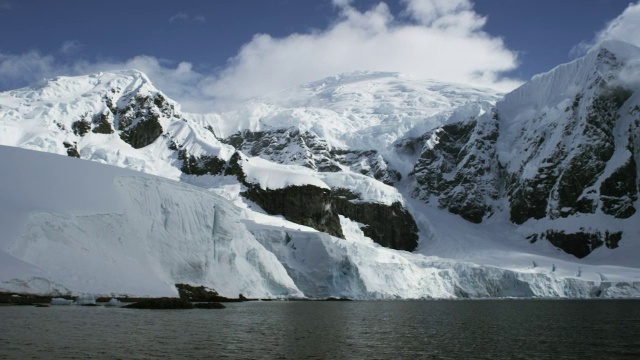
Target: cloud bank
x=625, y=27
x=436, y=39
x=442, y=40
x=183, y=17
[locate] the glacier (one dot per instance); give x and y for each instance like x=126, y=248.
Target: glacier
x=117, y=232
x=114, y=231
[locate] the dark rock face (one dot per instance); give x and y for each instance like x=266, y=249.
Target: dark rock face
x=142, y=134
x=203, y=294
x=137, y=117
x=458, y=167
x=579, y=244
x=102, y=125
x=390, y=226
x=573, y=179
x=80, y=127
x=23, y=299
x=292, y=146
x=202, y=165
x=234, y=168
x=72, y=149
x=306, y=205
x=619, y=191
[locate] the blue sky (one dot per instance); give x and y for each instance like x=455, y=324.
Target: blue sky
x=496, y=43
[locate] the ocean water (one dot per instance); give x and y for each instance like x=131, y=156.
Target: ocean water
x=481, y=329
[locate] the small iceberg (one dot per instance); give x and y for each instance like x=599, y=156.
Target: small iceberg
x=61, y=301
x=86, y=300
x=113, y=302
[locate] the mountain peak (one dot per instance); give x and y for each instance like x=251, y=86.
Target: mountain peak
x=622, y=50
x=351, y=77
x=64, y=88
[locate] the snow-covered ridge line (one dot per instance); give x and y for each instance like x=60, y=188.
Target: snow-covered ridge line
x=566, y=80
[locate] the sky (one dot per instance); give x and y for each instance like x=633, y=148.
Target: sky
x=210, y=55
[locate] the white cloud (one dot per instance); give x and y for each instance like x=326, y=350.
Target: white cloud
x=436, y=39
x=625, y=27
x=179, y=17
x=16, y=70
x=445, y=43
x=70, y=46
x=342, y=3
x=428, y=11
x=185, y=18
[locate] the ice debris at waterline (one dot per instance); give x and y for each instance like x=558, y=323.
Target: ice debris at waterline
x=61, y=301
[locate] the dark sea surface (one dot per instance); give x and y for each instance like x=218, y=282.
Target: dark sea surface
x=484, y=329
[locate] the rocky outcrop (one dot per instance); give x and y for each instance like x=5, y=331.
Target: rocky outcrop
x=574, y=178
x=577, y=158
x=200, y=165
x=391, y=226
x=388, y=225
x=102, y=123
x=144, y=133
x=80, y=127
x=581, y=243
x=137, y=117
x=305, y=205
x=72, y=149
x=203, y=294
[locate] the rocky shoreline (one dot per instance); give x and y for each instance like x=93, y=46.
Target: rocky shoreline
x=190, y=297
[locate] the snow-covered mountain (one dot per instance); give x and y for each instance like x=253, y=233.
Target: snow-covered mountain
x=330, y=177
x=559, y=155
